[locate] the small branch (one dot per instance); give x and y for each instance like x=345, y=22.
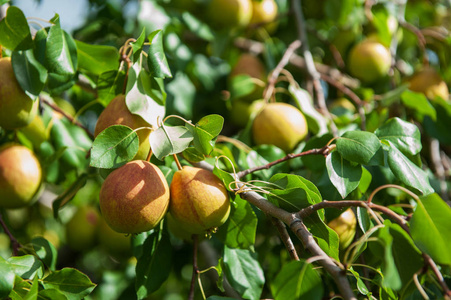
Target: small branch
x=67, y=116
x=438, y=167
x=285, y=237
x=348, y=92
x=437, y=274
x=276, y=72
x=195, y=268
x=420, y=37
x=318, y=151
x=302, y=33
x=14, y=242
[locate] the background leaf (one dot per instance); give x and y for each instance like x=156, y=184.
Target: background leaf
x=97, y=59
x=14, y=30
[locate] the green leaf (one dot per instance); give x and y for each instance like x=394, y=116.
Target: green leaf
x=197, y=27
x=226, y=177
x=294, y=192
x=68, y=194
x=114, y=147
x=46, y=252
x=61, y=51
x=29, y=72
x=391, y=276
x=27, y=266
x=51, y=294
x=315, y=121
x=241, y=85
x=207, y=129
x=192, y=155
x=7, y=276
x=109, y=85
x=156, y=59
x=316, y=162
x=419, y=103
x=137, y=46
x=358, y=146
x=404, y=135
x=97, y=59
x=145, y=95
x=155, y=264
x=360, y=284
x=167, y=140
x=297, y=280
x=244, y=272
x=71, y=282
x=439, y=128
x=431, y=228
x=240, y=229
x=33, y=292
x=406, y=171
x=15, y=31
x=343, y=175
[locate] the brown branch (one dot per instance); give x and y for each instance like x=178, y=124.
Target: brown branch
x=348, y=92
x=66, y=115
x=285, y=237
x=420, y=37
x=317, y=151
x=195, y=267
x=437, y=274
x=311, y=69
x=276, y=72
x=14, y=242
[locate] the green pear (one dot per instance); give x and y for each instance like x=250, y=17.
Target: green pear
x=279, y=124
x=229, y=13
x=17, y=109
x=242, y=111
x=199, y=200
x=20, y=176
x=81, y=230
x=117, y=113
x=115, y=243
x=134, y=197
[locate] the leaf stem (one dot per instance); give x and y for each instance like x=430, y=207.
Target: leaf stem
x=195, y=268
x=179, y=166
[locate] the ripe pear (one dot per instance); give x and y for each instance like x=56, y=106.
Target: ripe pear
x=265, y=12
x=134, y=197
x=116, y=112
x=179, y=230
x=369, y=60
x=248, y=64
x=345, y=226
x=20, y=176
x=229, y=13
x=199, y=200
x=279, y=124
x=429, y=82
x=81, y=230
x=17, y=109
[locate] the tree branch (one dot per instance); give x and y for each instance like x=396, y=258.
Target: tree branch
x=14, y=242
x=285, y=237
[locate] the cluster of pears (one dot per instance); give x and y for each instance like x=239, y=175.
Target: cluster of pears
x=135, y=197
x=20, y=170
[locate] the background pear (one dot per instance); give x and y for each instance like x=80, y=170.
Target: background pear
x=345, y=226
x=199, y=200
x=279, y=124
x=429, y=82
x=134, y=197
x=229, y=13
x=20, y=176
x=16, y=108
x=81, y=230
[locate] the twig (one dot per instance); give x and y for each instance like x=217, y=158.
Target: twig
x=317, y=151
x=67, y=116
x=285, y=237
x=438, y=167
x=276, y=72
x=14, y=242
x=302, y=33
x=420, y=37
x=437, y=274
x=195, y=268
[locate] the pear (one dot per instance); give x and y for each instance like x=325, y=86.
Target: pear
x=248, y=64
x=229, y=13
x=81, y=230
x=369, y=60
x=279, y=124
x=17, y=109
x=134, y=197
x=345, y=226
x=429, y=82
x=20, y=176
x=117, y=113
x=264, y=11
x=199, y=200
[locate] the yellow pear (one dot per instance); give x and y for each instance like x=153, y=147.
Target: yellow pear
x=117, y=113
x=229, y=13
x=199, y=200
x=17, y=109
x=369, y=60
x=429, y=82
x=265, y=12
x=279, y=124
x=134, y=197
x=345, y=226
x=20, y=176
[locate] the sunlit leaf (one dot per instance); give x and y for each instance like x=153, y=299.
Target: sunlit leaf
x=343, y=175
